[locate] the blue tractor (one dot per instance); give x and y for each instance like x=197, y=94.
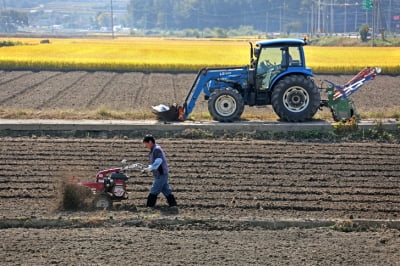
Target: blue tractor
x=277, y=76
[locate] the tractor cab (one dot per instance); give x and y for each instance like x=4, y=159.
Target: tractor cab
x=274, y=59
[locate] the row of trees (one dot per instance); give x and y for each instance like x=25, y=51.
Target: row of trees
x=318, y=16
x=270, y=15
x=224, y=17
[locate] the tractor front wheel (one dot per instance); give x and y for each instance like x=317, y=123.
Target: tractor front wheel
x=296, y=98
x=226, y=105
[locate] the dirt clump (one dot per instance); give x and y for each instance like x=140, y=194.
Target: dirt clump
x=72, y=196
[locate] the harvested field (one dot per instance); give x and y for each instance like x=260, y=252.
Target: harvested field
x=219, y=181
x=135, y=92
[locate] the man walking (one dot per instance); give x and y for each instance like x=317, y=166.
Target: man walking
x=159, y=167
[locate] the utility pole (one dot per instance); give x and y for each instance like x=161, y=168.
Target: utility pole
x=319, y=17
x=112, y=19
x=332, y=23
x=382, y=30
x=389, y=17
x=4, y=5
x=373, y=22
x=323, y=16
x=355, y=20
x=345, y=16
x=280, y=20
x=312, y=19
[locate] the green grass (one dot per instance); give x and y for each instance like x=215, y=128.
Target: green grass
x=106, y=113
x=10, y=43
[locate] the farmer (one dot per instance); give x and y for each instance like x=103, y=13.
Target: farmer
x=159, y=167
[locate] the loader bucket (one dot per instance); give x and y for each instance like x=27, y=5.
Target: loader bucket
x=165, y=113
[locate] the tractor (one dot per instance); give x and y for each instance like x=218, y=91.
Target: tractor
x=277, y=75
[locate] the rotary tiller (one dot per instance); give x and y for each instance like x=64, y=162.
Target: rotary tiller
x=110, y=185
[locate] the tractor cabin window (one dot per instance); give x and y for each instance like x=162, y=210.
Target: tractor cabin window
x=275, y=60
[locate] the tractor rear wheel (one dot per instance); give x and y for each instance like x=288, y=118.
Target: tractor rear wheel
x=295, y=98
x=226, y=105
x=102, y=201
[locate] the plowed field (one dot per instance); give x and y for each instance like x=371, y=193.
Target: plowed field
x=213, y=178
x=136, y=92
x=218, y=180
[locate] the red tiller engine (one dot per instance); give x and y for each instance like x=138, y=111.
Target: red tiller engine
x=110, y=186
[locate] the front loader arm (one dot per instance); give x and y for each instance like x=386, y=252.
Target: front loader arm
x=194, y=93
x=207, y=80
x=201, y=84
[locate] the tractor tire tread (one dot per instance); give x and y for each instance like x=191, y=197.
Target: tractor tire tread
x=239, y=103
x=301, y=81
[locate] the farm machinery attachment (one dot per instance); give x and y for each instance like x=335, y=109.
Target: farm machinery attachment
x=341, y=106
x=277, y=75
x=110, y=185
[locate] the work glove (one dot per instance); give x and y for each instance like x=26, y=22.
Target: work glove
x=147, y=169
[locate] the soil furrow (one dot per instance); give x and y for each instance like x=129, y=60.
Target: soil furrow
x=101, y=93
x=216, y=177
x=144, y=80
x=16, y=92
x=14, y=75
x=62, y=92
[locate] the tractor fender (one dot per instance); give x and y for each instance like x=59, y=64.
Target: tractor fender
x=291, y=71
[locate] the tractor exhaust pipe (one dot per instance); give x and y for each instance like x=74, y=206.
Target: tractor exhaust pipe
x=251, y=52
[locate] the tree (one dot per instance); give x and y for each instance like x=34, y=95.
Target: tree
x=291, y=27
x=364, y=29
x=10, y=20
x=220, y=32
x=103, y=19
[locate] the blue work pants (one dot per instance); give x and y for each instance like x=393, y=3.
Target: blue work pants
x=160, y=185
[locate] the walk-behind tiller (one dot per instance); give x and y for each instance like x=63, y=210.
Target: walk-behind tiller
x=110, y=185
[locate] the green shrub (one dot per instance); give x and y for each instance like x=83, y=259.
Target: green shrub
x=364, y=29
x=10, y=43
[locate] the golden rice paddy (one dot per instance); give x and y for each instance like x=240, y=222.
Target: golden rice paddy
x=158, y=54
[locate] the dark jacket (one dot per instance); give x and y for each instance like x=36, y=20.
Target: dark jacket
x=157, y=152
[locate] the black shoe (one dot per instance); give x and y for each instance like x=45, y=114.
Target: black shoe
x=171, y=200
x=151, y=200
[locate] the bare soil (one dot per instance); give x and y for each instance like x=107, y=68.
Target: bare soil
x=240, y=201
x=224, y=189
x=136, y=92
x=145, y=246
